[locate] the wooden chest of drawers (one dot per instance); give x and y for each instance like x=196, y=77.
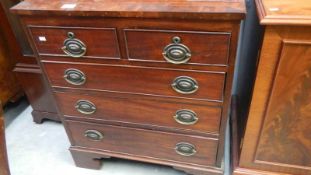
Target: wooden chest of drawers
x=137, y=81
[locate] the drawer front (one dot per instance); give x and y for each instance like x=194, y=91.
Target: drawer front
x=137, y=109
x=145, y=143
x=178, y=47
x=76, y=41
x=142, y=80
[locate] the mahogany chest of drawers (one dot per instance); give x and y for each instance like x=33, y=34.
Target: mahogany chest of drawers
x=141, y=80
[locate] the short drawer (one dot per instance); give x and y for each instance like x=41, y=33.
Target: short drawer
x=75, y=41
x=140, y=80
x=178, y=47
x=191, y=116
x=144, y=143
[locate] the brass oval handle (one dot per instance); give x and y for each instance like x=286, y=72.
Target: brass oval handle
x=176, y=52
x=74, y=76
x=185, y=85
x=93, y=135
x=74, y=47
x=185, y=149
x=85, y=107
x=186, y=117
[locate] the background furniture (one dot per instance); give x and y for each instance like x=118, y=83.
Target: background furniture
x=277, y=137
x=147, y=81
x=4, y=166
x=28, y=72
x=9, y=87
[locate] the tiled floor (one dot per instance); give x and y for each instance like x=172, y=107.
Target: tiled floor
x=43, y=150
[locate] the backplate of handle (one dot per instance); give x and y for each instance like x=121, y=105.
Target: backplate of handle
x=93, y=135
x=186, y=117
x=74, y=76
x=74, y=47
x=85, y=107
x=176, y=52
x=185, y=85
x=185, y=149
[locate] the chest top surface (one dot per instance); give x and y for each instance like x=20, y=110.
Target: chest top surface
x=284, y=12
x=185, y=9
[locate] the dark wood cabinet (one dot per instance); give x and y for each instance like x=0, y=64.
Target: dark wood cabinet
x=10, y=89
x=277, y=137
x=37, y=93
x=25, y=65
x=139, y=80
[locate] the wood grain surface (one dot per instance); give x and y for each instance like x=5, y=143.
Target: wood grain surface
x=25, y=65
x=285, y=137
x=99, y=42
x=144, y=143
x=207, y=48
x=272, y=12
x=9, y=87
x=211, y=9
x=139, y=80
x=157, y=112
x=277, y=134
x=38, y=94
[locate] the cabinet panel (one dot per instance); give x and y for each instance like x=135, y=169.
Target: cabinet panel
x=285, y=137
x=277, y=136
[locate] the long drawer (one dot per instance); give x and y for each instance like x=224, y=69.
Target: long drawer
x=144, y=143
x=188, y=115
x=140, y=80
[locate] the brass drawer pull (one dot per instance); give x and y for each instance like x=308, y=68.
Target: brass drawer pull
x=185, y=149
x=185, y=85
x=186, y=117
x=93, y=135
x=74, y=76
x=85, y=107
x=74, y=47
x=176, y=52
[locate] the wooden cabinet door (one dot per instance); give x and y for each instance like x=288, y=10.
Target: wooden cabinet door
x=278, y=135
x=286, y=133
